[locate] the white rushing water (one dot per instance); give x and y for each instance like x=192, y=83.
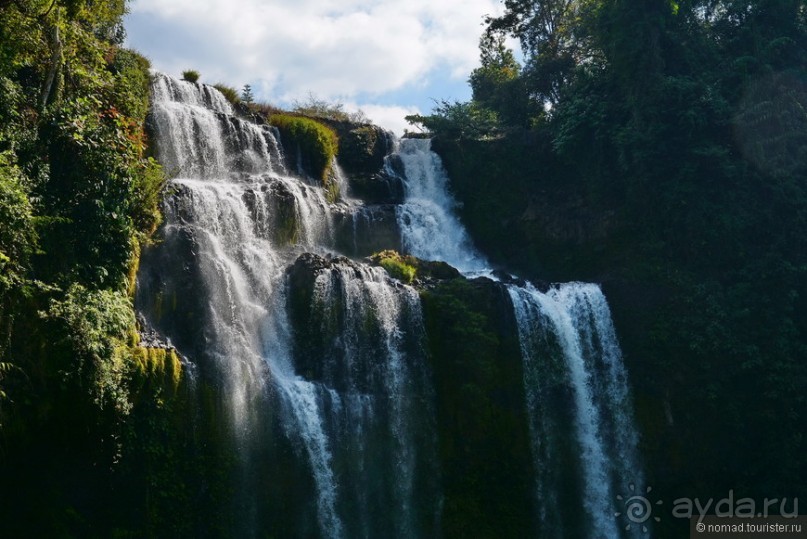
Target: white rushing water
x=249, y=219
x=429, y=225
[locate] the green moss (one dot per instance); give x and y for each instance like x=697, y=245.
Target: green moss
x=316, y=143
x=481, y=412
x=134, y=265
x=400, y=270
x=149, y=181
x=287, y=229
x=332, y=190
x=156, y=365
x=403, y=268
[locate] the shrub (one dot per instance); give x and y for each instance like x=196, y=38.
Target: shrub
x=328, y=110
x=190, y=75
x=17, y=235
x=229, y=93
x=94, y=324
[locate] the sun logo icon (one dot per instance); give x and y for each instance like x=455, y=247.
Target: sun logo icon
x=637, y=509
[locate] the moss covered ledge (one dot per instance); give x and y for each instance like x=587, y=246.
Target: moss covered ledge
x=316, y=144
x=408, y=269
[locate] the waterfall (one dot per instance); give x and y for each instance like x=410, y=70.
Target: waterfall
x=199, y=137
x=572, y=317
x=355, y=405
x=575, y=316
x=371, y=329
x=321, y=361
x=429, y=225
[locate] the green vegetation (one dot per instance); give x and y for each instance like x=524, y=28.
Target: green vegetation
x=246, y=94
x=323, y=109
x=78, y=197
x=658, y=147
x=407, y=268
x=316, y=143
x=190, y=75
x=403, y=268
x=229, y=93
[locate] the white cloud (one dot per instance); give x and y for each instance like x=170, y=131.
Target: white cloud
x=337, y=49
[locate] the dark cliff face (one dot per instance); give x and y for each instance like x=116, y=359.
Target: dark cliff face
x=525, y=213
x=690, y=324
x=363, y=151
x=481, y=409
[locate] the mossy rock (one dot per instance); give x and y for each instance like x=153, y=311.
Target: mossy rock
x=160, y=366
x=403, y=268
x=407, y=268
x=362, y=149
x=482, y=422
x=315, y=144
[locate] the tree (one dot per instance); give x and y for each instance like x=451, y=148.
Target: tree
x=246, y=95
x=497, y=83
x=554, y=39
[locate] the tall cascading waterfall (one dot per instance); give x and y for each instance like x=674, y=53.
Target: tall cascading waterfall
x=321, y=360
x=243, y=267
x=567, y=341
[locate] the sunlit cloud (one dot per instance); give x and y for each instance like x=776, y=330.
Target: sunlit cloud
x=357, y=51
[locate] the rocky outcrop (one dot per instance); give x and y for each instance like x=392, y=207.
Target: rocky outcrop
x=364, y=157
x=422, y=273
x=383, y=187
x=362, y=148
x=363, y=230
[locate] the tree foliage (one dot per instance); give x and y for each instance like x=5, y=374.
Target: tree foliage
x=78, y=193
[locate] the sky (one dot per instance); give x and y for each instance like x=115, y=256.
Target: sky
x=388, y=58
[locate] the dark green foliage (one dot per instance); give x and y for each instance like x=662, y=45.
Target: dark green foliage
x=90, y=188
x=459, y=120
x=130, y=84
x=190, y=75
x=497, y=85
x=77, y=197
x=17, y=237
x=94, y=326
